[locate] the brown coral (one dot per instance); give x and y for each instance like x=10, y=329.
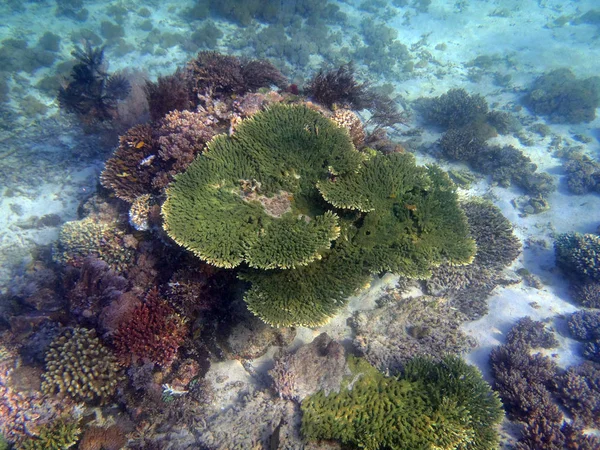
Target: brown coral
x=98, y=438
x=129, y=172
x=350, y=121
x=80, y=367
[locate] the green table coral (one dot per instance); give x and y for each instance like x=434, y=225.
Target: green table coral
x=309, y=218
x=432, y=406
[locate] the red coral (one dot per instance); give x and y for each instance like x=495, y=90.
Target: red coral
x=154, y=333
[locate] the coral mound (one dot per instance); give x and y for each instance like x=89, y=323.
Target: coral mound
x=79, y=366
x=289, y=193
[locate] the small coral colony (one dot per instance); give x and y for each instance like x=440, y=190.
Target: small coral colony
x=245, y=197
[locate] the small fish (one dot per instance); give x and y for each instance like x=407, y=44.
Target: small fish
x=123, y=174
x=410, y=207
x=140, y=144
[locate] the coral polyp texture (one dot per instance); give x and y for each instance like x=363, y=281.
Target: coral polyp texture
x=218, y=208
x=80, y=239
x=154, y=333
x=59, y=435
x=444, y=405
x=308, y=217
x=79, y=366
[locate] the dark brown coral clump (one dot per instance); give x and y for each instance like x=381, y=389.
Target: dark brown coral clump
x=170, y=93
x=130, y=171
x=216, y=74
x=98, y=438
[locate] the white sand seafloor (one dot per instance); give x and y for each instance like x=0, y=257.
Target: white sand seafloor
x=533, y=46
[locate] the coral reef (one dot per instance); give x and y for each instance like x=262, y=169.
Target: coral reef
x=303, y=159
x=216, y=74
x=527, y=383
x=90, y=288
x=318, y=366
x=562, y=97
x=59, y=435
x=578, y=255
x=153, y=332
x=339, y=87
x=79, y=366
x=454, y=109
x=98, y=438
x=89, y=237
x=374, y=411
x=531, y=333
x=468, y=286
x=583, y=173
x=390, y=336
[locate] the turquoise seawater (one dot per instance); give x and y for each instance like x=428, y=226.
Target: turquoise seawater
x=147, y=309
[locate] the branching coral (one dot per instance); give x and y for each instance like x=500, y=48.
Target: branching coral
x=80, y=367
x=154, y=332
x=432, y=405
x=497, y=247
x=219, y=74
x=59, y=435
x=563, y=98
x=268, y=195
x=579, y=255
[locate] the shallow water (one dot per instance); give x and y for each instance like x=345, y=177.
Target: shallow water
x=51, y=160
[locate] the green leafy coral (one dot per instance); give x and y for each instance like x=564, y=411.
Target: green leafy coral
x=59, y=435
x=217, y=208
x=445, y=405
x=309, y=218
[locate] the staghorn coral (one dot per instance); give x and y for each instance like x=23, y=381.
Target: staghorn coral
x=456, y=108
x=59, y=435
x=390, y=336
x=578, y=390
x=374, y=411
x=578, y=255
x=153, y=332
x=532, y=333
x=79, y=366
x=170, y=93
x=80, y=239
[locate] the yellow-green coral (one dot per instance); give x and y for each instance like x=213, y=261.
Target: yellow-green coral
x=89, y=237
x=432, y=406
x=79, y=366
x=212, y=209
x=340, y=215
x=59, y=435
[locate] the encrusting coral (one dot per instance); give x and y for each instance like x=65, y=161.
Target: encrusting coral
x=444, y=405
x=287, y=183
x=79, y=366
